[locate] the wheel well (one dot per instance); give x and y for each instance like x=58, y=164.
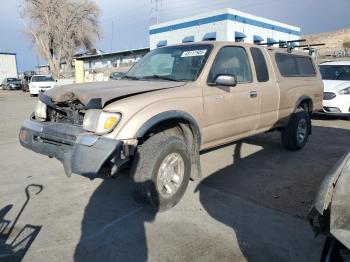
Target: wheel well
x=176, y=127
x=306, y=104
x=185, y=130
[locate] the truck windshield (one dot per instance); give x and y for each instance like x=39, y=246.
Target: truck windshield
x=335, y=72
x=173, y=63
x=42, y=79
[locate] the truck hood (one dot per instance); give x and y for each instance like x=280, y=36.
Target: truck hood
x=335, y=85
x=106, y=91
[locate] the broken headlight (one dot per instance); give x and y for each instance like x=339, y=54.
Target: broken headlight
x=99, y=121
x=40, y=111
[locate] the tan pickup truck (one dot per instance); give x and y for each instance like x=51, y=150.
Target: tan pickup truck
x=175, y=102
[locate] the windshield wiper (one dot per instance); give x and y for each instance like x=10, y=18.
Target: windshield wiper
x=159, y=77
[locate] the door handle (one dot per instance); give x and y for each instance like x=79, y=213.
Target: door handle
x=253, y=94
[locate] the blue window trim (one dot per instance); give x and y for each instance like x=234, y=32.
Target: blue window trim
x=209, y=36
x=258, y=38
x=270, y=40
x=223, y=17
x=240, y=35
x=188, y=39
x=162, y=43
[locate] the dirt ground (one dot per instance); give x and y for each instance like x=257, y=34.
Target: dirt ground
x=251, y=204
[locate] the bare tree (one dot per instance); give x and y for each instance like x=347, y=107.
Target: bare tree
x=60, y=27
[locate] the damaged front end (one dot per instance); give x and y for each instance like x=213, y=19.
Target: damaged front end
x=57, y=130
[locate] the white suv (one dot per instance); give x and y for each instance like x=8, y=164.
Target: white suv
x=336, y=79
x=41, y=83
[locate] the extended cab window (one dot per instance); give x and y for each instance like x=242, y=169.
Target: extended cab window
x=295, y=65
x=262, y=72
x=231, y=60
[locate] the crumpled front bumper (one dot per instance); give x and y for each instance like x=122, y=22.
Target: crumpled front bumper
x=80, y=152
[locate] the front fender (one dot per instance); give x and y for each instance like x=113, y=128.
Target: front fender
x=176, y=115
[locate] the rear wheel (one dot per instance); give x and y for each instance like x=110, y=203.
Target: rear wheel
x=295, y=134
x=161, y=171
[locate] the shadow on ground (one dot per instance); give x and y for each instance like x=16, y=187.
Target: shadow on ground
x=282, y=181
x=15, y=240
x=113, y=227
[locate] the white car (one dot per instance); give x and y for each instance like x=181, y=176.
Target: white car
x=41, y=83
x=336, y=79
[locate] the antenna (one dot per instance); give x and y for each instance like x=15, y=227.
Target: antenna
x=112, y=39
x=156, y=11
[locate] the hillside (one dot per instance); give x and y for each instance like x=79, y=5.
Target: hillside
x=333, y=40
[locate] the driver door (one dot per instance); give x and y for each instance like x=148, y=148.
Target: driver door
x=230, y=111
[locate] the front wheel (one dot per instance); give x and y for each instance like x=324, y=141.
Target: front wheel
x=161, y=171
x=295, y=134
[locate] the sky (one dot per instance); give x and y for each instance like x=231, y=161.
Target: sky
x=131, y=20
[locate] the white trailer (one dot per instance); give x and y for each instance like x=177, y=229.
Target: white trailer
x=8, y=66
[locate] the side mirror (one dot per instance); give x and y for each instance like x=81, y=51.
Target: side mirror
x=226, y=80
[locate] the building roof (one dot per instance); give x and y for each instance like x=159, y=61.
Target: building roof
x=222, y=15
x=124, y=52
x=7, y=53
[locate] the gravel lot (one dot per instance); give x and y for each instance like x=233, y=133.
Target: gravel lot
x=251, y=205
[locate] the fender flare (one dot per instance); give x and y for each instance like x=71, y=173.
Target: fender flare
x=196, y=172
x=167, y=116
x=302, y=98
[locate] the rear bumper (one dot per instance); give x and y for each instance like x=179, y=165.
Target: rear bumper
x=80, y=152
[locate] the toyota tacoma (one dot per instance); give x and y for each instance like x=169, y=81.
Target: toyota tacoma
x=175, y=102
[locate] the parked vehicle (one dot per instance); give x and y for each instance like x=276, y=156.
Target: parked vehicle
x=330, y=214
x=25, y=85
x=175, y=102
x=27, y=76
x=336, y=79
x=40, y=83
x=11, y=84
x=116, y=76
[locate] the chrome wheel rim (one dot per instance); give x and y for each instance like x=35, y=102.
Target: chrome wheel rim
x=302, y=130
x=170, y=175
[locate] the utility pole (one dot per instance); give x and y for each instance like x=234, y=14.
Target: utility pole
x=112, y=39
x=156, y=11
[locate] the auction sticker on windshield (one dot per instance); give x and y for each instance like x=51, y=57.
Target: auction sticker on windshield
x=194, y=53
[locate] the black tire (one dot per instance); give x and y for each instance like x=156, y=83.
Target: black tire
x=144, y=171
x=290, y=135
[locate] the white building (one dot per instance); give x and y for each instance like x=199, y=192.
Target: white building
x=222, y=25
x=8, y=66
x=112, y=60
